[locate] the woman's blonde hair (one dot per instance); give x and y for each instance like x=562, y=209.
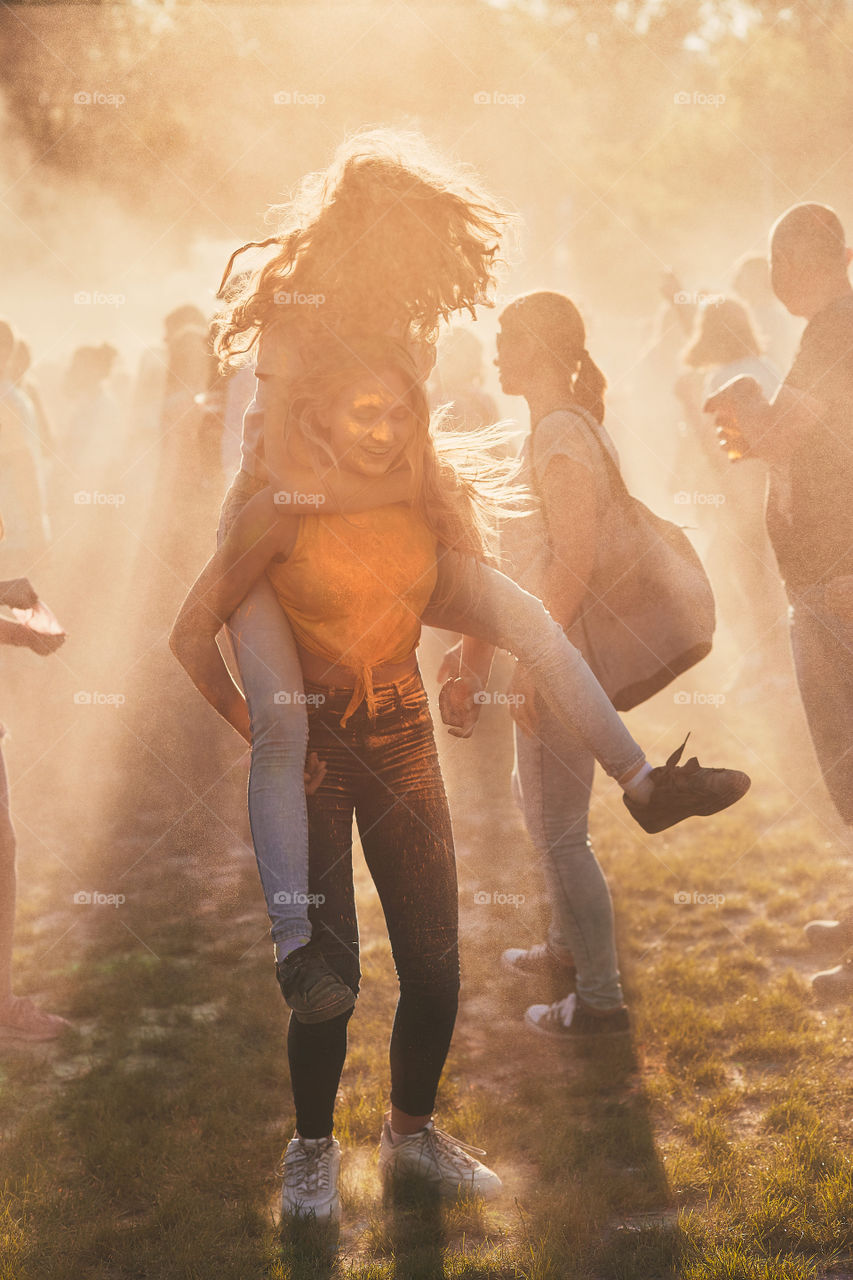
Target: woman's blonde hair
x=391, y=236
x=461, y=488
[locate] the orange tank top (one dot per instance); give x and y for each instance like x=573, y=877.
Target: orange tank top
x=354, y=588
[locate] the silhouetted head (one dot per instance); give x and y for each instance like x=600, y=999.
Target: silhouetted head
x=751, y=279
x=89, y=367
x=7, y=346
x=542, y=335
x=808, y=258
x=723, y=332
x=20, y=361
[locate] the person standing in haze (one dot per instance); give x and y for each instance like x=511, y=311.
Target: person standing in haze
x=805, y=434
x=22, y=497
x=20, y=1018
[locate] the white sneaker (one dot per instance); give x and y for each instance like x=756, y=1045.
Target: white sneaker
x=540, y=961
x=311, y=1167
x=20, y=1019
x=446, y=1163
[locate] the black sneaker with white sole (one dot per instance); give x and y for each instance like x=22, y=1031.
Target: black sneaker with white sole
x=311, y=987
x=831, y=938
x=686, y=791
x=834, y=984
x=571, y=1019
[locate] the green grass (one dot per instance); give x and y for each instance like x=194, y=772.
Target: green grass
x=717, y=1145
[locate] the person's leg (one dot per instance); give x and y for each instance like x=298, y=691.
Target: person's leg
x=555, y=773
x=822, y=645
x=268, y=663
x=405, y=831
x=19, y=1017
x=7, y=888
x=317, y=1051
x=482, y=602
x=404, y=822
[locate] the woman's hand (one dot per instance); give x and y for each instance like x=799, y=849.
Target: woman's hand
x=25, y=638
x=459, y=702
x=522, y=702
x=738, y=408
x=450, y=664
x=838, y=595
x=18, y=593
x=314, y=772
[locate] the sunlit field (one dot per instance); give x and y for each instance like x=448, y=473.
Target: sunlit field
x=141, y=143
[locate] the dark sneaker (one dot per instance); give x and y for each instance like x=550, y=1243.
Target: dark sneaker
x=834, y=984
x=541, y=961
x=571, y=1019
x=311, y=987
x=686, y=791
x=830, y=937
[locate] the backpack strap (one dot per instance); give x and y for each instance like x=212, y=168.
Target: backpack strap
x=618, y=489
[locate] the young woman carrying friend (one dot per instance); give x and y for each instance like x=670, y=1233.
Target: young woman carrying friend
x=354, y=589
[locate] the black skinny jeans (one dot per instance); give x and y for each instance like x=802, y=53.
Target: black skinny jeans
x=385, y=770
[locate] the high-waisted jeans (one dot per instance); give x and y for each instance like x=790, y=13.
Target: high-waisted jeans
x=470, y=598
x=384, y=769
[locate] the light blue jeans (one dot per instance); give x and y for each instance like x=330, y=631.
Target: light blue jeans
x=469, y=598
x=552, y=780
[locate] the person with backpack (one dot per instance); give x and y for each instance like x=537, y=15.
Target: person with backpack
x=562, y=553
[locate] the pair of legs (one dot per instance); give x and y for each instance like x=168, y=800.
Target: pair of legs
x=385, y=771
x=554, y=773
x=8, y=887
x=19, y=1017
x=469, y=598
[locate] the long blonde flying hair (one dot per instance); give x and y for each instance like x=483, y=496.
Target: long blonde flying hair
x=391, y=236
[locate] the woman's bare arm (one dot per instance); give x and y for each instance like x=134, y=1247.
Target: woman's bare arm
x=259, y=533
x=568, y=498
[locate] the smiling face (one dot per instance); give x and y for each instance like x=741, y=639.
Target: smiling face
x=371, y=422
